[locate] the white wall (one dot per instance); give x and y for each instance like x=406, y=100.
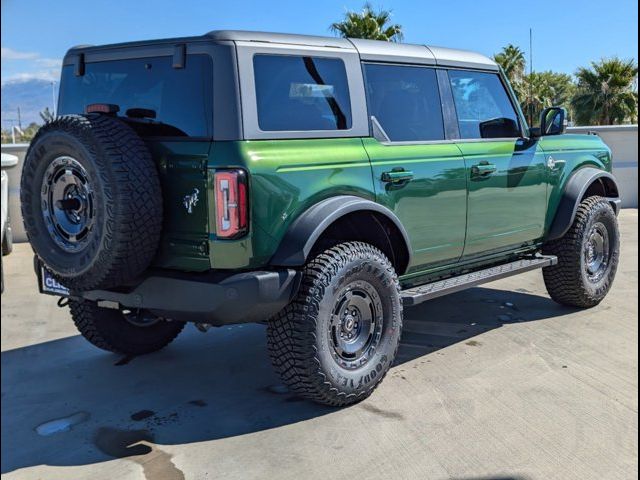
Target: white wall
x=623, y=141
x=19, y=150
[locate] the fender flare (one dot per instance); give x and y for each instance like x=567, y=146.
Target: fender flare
x=573, y=194
x=296, y=245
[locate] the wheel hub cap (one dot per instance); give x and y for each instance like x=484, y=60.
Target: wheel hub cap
x=596, y=252
x=356, y=324
x=67, y=203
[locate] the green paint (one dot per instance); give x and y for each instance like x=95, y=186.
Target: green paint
x=507, y=207
x=182, y=167
x=285, y=178
x=571, y=152
x=454, y=218
x=432, y=206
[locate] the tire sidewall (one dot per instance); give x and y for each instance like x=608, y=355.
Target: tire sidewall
x=127, y=198
x=45, y=150
x=602, y=213
x=109, y=330
x=379, y=276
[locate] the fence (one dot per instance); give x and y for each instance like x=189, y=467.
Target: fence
x=623, y=141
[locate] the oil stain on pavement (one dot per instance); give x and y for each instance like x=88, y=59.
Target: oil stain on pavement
x=137, y=446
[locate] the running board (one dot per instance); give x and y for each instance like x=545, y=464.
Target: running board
x=416, y=295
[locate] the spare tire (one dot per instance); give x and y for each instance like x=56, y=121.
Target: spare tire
x=91, y=201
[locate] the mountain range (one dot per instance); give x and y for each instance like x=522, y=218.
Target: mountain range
x=31, y=96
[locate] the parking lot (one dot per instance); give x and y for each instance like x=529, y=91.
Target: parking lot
x=496, y=382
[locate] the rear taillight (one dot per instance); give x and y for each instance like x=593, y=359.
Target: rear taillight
x=232, y=203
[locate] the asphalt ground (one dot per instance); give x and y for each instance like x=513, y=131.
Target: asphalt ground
x=496, y=382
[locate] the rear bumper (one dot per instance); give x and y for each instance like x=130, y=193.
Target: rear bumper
x=240, y=298
x=214, y=298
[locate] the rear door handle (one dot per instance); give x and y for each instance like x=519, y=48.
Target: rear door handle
x=396, y=176
x=483, y=169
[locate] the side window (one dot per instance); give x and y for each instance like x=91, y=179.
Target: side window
x=301, y=93
x=405, y=101
x=483, y=106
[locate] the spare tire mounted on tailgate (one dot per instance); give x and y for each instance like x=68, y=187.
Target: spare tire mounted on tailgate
x=91, y=201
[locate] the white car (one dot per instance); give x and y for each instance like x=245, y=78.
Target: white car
x=8, y=161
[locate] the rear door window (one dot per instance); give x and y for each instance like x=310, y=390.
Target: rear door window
x=179, y=98
x=298, y=93
x=405, y=101
x=483, y=106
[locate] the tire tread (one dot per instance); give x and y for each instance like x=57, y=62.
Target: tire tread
x=291, y=333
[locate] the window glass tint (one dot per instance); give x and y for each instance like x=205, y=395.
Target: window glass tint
x=405, y=101
x=301, y=93
x=181, y=98
x=483, y=106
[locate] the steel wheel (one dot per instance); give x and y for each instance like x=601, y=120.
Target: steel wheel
x=67, y=203
x=356, y=324
x=596, y=252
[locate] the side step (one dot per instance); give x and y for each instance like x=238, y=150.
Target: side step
x=416, y=295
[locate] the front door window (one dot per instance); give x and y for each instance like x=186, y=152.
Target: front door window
x=483, y=106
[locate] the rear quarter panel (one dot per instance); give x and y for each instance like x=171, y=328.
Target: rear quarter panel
x=285, y=178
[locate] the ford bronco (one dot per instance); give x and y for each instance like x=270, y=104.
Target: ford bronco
x=316, y=184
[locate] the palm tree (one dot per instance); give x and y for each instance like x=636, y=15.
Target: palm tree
x=535, y=96
x=606, y=94
x=512, y=61
x=368, y=24
x=545, y=89
x=46, y=115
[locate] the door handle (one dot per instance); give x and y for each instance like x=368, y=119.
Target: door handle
x=396, y=176
x=483, y=169
x=554, y=164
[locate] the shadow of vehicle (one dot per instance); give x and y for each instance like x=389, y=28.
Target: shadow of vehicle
x=66, y=403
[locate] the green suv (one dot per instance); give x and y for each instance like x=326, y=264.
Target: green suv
x=316, y=184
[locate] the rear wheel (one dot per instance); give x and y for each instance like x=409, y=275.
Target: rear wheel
x=587, y=254
x=130, y=332
x=336, y=341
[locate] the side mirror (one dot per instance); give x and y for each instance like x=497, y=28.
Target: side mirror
x=553, y=121
x=499, y=128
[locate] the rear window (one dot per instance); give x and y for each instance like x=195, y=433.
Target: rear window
x=296, y=93
x=181, y=98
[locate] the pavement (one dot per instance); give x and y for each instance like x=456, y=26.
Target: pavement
x=495, y=382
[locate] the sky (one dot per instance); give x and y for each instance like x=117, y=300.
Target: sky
x=567, y=34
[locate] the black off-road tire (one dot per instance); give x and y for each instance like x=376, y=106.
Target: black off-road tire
x=109, y=330
x=300, y=337
x=569, y=282
x=126, y=201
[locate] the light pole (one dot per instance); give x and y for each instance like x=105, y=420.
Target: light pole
x=53, y=97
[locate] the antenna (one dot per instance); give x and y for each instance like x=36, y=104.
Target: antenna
x=530, y=50
x=530, y=74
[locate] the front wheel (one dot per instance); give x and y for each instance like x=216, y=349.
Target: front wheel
x=336, y=341
x=587, y=254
